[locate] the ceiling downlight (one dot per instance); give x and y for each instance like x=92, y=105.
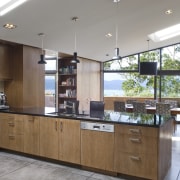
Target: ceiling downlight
x=9, y=26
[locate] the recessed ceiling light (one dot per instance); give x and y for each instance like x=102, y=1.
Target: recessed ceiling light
x=169, y=11
x=9, y=26
x=108, y=35
x=166, y=33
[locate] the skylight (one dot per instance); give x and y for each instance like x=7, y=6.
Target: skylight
x=8, y=5
x=166, y=33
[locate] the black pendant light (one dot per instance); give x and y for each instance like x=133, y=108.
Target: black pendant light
x=116, y=56
x=42, y=57
x=75, y=60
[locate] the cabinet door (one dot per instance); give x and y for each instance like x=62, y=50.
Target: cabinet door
x=4, y=134
x=97, y=149
x=16, y=133
x=69, y=141
x=31, y=134
x=5, y=62
x=88, y=83
x=49, y=137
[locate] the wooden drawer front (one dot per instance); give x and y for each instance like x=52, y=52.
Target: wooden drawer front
x=7, y=116
x=138, y=144
x=16, y=126
x=139, y=165
x=16, y=142
x=136, y=130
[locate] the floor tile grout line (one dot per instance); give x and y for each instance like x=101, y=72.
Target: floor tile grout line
x=178, y=175
x=25, y=165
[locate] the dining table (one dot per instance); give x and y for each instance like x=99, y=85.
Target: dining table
x=152, y=109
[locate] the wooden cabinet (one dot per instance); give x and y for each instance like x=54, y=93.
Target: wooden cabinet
x=31, y=134
x=5, y=62
x=97, y=149
x=49, y=143
x=12, y=132
x=4, y=132
x=27, y=88
x=67, y=82
x=69, y=140
x=88, y=83
x=136, y=151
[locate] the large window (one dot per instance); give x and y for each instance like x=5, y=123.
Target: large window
x=122, y=78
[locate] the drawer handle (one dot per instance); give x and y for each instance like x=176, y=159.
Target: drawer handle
x=135, y=158
x=61, y=126
x=11, y=137
x=56, y=125
x=135, y=140
x=11, y=124
x=137, y=131
x=31, y=119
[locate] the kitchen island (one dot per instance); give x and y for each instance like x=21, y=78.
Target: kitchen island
x=132, y=144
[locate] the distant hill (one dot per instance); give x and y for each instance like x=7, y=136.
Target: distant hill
x=114, y=84
x=108, y=85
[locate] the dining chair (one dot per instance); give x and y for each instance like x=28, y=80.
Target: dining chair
x=139, y=107
x=150, y=102
x=119, y=106
x=173, y=104
x=130, y=101
x=163, y=108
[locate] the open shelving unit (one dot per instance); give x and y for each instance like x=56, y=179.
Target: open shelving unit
x=67, y=82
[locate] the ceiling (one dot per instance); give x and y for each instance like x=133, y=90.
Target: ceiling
x=136, y=19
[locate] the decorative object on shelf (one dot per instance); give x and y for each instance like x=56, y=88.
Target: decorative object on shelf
x=117, y=56
x=42, y=57
x=75, y=60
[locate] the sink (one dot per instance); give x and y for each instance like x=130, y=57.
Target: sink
x=66, y=115
x=60, y=114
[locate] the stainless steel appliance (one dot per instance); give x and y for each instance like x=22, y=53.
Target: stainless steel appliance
x=3, y=101
x=97, y=126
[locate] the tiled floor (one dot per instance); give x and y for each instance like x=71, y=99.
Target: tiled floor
x=15, y=167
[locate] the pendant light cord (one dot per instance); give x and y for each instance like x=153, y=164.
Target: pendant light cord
x=75, y=34
x=75, y=46
x=42, y=41
x=42, y=44
x=148, y=49
x=116, y=45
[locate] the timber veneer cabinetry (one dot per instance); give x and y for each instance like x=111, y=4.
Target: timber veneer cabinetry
x=5, y=62
x=88, y=83
x=97, y=149
x=69, y=141
x=49, y=137
x=60, y=139
x=141, y=151
x=138, y=150
x=12, y=132
x=31, y=134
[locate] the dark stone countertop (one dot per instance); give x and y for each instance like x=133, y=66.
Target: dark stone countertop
x=110, y=116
